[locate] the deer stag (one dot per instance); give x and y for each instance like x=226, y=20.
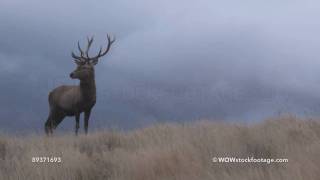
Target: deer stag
x=73, y=100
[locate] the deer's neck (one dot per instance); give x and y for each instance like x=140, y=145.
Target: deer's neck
x=88, y=90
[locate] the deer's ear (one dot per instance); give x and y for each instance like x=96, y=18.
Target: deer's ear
x=94, y=61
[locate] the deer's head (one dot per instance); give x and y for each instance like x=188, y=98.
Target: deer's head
x=85, y=64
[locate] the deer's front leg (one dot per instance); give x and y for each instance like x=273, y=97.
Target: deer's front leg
x=86, y=120
x=77, y=123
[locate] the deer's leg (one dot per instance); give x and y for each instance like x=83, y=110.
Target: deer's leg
x=59, y=116
x=77, y=123
x=86, y=120
x=48, y=125
x=54, y=119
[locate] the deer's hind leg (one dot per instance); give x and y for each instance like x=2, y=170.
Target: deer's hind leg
x=48, y=124
x=54, y=119
x=58, y=117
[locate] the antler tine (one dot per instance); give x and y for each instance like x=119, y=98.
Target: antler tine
x=110, y=42
x=81, y=52
x=75, y=56
x=88, y=46
x=78, y=59
x=100, y=50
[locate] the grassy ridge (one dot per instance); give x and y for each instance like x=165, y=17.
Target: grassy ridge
x=170, y=151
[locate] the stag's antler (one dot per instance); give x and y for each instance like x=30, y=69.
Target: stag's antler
x=100, y=54
x=84, y=55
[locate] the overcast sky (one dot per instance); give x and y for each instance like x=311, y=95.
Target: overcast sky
x=172, y=61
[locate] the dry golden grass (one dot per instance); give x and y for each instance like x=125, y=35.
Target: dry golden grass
x=170, y=152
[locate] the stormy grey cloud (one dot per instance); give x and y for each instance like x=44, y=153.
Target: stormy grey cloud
x=172, y=61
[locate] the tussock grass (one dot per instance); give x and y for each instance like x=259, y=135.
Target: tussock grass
x=170, y=152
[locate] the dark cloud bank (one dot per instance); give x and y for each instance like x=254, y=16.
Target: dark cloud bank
x=172, y=61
